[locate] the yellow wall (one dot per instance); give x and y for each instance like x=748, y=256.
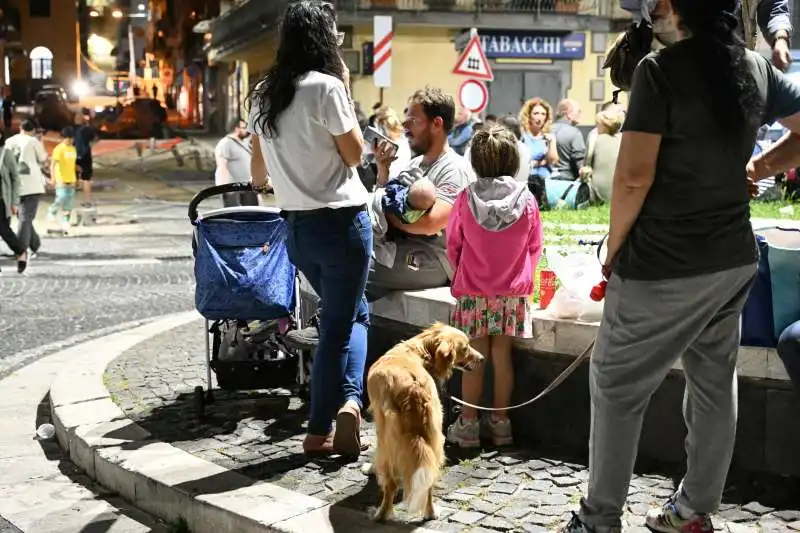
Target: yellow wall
x=59, y=33
x=257, y=59
x=420, y=56
x=583, y=72
x=423, y=55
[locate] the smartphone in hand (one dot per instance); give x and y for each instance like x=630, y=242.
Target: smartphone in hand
x=373, y=137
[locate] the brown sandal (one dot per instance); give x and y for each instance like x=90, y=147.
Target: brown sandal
x=347, y=437
x=318, y=445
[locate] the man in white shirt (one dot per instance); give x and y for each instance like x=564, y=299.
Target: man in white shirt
x=31, y=158
x=233, y=153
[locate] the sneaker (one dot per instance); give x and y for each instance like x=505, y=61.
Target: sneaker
x=465, y=433
x=668, y=520
x=306, y=338
x=500, y=431
x=576, y=526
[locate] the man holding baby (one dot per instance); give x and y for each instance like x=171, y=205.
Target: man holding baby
x=420, y=259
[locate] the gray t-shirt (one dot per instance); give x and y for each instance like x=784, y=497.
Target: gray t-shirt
x=450, y=173
x=237, y=154
x=571, y=149
x=696, y=217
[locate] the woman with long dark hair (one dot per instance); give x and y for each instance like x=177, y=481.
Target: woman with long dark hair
x=680, y=262
x=307, y=138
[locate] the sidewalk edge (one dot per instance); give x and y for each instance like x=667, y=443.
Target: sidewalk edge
x=164, y=480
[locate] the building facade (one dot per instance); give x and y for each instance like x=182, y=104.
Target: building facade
x=43, y=48
x=548, y=48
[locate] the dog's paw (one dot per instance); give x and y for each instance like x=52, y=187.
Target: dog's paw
x=434, y=515
x=380, y=516
x=368, y=469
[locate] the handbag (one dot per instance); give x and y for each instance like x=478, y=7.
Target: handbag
x=567, y=194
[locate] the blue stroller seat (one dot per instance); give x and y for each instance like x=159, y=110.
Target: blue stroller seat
x=247, y=289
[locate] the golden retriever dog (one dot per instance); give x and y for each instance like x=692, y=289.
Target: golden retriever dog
x=408, y=414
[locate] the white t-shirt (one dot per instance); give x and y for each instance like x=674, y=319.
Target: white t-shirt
x=31, y=155
x=304, y=166
x=237, y=155
x=402, y=158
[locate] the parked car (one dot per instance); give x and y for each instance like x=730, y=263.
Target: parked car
x=51, y=109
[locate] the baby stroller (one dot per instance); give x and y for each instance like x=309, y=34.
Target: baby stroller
x=248, y=292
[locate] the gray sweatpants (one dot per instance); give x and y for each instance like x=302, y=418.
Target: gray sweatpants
x=28, y=206
x=646, y=327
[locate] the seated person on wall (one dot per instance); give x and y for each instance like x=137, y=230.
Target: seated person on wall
x=421, y=259
x=408, y=197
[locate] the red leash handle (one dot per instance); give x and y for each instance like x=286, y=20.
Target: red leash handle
x=598, y=291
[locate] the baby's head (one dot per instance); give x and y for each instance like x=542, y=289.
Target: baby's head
x=493, y=153
x=421, y=194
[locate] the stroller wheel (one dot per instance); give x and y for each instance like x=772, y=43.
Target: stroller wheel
x=199, y=402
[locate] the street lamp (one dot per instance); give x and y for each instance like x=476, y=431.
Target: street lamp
x=94, y=14
x=117, y=14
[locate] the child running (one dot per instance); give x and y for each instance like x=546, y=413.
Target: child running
x=494, y=240
x=62, y=172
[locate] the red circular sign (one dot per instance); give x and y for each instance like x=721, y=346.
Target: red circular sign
x=473, y=95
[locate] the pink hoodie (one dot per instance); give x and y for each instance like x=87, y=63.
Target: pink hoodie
x=494, y=239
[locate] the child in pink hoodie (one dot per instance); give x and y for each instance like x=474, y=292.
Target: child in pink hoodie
x=494, y=240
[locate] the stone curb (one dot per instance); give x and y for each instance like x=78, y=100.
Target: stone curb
x=168, y=482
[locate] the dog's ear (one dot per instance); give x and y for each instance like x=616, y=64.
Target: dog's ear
x=444, y=357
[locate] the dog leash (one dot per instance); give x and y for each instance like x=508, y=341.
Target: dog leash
x=597, y=294
x=550, y=388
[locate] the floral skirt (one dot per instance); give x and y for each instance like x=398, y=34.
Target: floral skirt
x=479, y=316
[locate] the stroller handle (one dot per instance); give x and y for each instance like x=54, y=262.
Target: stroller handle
x=216, y=190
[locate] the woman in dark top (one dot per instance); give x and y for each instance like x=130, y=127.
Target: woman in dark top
x=681, y=258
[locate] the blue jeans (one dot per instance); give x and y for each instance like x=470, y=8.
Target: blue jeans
x=332, y=248
x=789, y=352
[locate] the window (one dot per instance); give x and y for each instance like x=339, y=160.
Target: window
x=41, y=63
x=39, y=8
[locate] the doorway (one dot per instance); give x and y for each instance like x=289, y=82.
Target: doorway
x=511, y=88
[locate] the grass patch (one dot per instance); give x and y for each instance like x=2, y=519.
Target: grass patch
x=599, y=214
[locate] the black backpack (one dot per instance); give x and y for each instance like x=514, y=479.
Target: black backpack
x=626, y=53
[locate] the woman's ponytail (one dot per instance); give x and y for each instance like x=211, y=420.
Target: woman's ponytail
x=711, y=25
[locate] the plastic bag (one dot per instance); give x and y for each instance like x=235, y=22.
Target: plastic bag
x=578, y=272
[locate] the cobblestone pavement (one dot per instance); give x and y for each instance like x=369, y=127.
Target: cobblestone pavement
x=79, y=285
x=495, y=491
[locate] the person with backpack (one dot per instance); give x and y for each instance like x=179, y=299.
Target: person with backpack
x=233, y=153
x=31, y=157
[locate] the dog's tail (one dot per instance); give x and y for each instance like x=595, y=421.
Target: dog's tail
x=421, y=481
x=423, y=469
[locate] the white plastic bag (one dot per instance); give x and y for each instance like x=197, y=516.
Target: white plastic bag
x=578, y=272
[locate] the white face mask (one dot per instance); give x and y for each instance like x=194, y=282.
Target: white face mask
x=665, y=30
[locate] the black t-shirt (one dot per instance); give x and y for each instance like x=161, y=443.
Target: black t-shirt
x=696, y=217
x=83, y=137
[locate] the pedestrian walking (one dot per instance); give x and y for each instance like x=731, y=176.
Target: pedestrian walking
x=31, y=157
x=63, y=173
x=9, y=203
x=233, y=153
x=308, y=141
